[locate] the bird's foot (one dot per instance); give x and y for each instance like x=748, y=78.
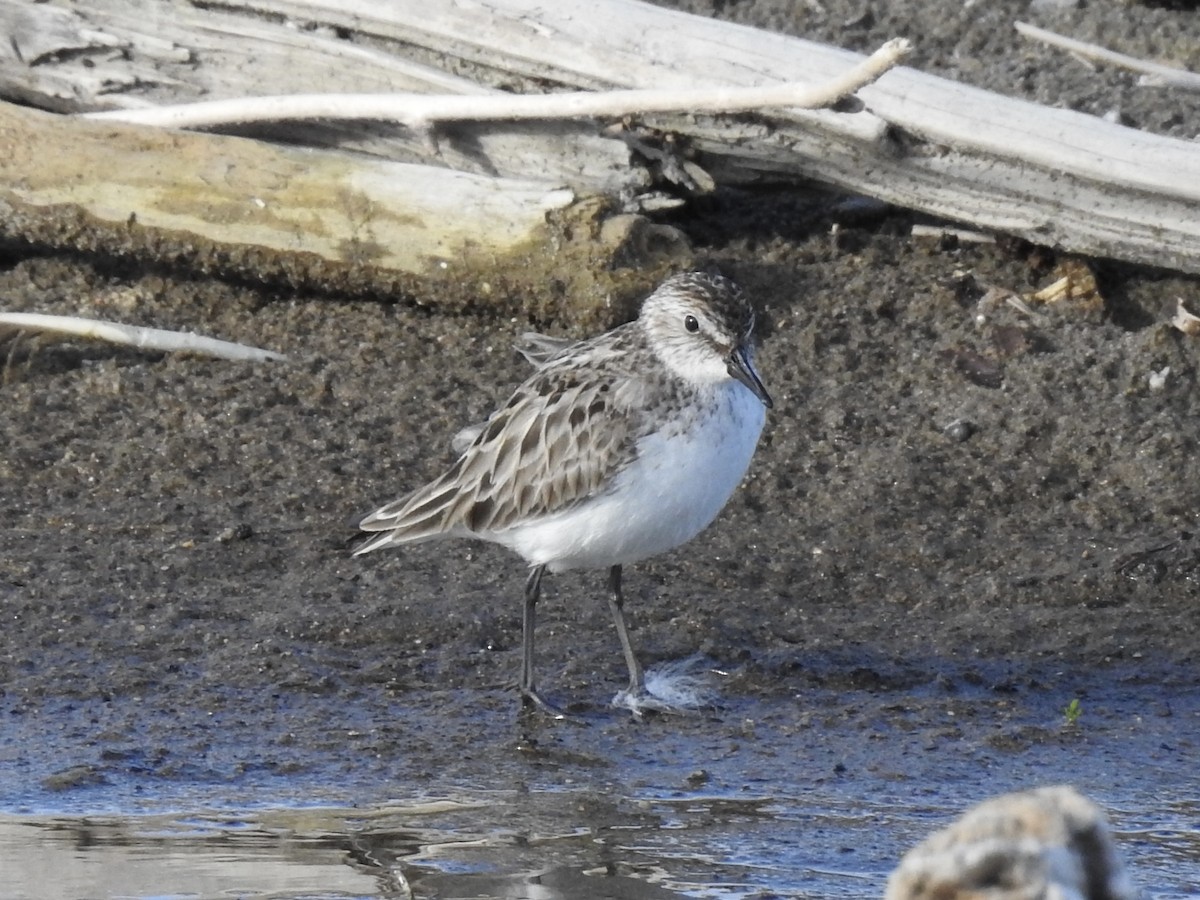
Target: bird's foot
x=532, y=701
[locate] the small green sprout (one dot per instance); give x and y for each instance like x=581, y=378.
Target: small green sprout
x=1072, y=713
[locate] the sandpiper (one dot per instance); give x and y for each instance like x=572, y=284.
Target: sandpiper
x=615, y=449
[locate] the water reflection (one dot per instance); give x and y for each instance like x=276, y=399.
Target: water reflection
x=307, y=854
x=540, y=846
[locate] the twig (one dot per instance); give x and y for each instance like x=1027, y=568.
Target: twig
x=420, y=110
x=134, y=336
x=1153, y=74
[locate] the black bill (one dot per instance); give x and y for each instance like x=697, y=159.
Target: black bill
x=741, y=369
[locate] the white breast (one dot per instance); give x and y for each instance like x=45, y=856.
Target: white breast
x=679, y=482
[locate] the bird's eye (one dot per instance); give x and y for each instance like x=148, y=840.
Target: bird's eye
x=691, y=323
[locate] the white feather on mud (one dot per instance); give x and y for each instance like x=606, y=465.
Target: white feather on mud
x=680, y=685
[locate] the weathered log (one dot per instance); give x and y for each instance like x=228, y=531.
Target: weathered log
x=1053, y=176
x=113, y=54
x=313, y=218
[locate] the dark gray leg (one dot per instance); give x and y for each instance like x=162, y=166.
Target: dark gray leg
x=529, y=694
x=616, y=602
x=533, y=590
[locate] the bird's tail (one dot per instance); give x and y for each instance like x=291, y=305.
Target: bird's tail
x=423, y=515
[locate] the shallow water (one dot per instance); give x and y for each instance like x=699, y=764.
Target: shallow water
x=782, y=804
x=547, y=845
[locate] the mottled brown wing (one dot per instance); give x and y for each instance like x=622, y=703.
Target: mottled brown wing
x=552, y=445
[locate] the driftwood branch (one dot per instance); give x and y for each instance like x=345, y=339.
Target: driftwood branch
x=422, y=111
x=1153, y=74
x=137, y=336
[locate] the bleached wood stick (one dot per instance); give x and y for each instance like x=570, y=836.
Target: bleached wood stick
x=134, y=336
x=1154, y=74
x=423, y=110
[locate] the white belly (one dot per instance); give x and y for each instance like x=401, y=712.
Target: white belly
x=671, y=492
